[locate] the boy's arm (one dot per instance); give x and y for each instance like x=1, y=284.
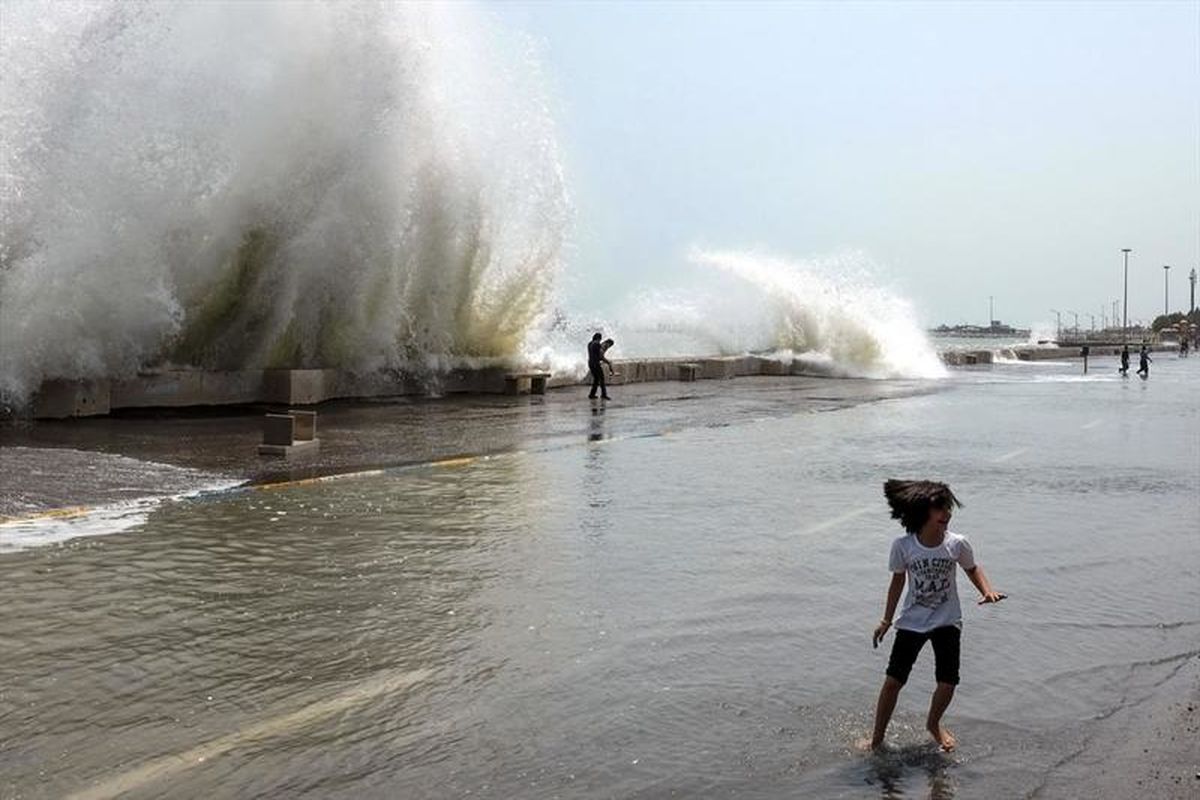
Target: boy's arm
x=980, y=580
x=895, y=588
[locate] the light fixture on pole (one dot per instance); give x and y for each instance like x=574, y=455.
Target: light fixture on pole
x=1075, y=328
x=1093, y=316
x=1125, y=302
x=1166, y=290
x=1057, y=324
x=1192, y=278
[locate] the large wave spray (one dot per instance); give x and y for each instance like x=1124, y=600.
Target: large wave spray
x=249, y=184
x=832, y=313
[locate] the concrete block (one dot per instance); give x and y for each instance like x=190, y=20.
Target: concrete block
x=287, y=435
x=305, y=427
x=770, y=366
x=303, y=387
x=289, y=450
x=279, y=429
x=59, y=399
x=176, y=388
x=485, y=380
x=744, y=366
x=717, y=368
x=525, y=382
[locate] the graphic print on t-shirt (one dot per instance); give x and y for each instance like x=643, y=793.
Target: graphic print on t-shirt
x=932, y=579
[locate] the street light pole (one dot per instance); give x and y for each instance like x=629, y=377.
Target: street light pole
x=1192, y=278
x=1125, y=302
x=1093, y=316
x=1166, y=290
x=1057, y=324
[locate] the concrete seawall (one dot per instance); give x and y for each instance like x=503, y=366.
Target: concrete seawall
x=181, y=388
x=960, y=358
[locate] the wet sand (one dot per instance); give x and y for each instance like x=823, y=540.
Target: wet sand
x=1150, y=748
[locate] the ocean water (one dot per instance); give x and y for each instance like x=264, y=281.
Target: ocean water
x=647, y=604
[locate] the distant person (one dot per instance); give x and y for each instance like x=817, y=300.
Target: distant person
x=1144, y=360
x=1124, y=370
x=1183, y=347
x=925, y=557
x=596, y=362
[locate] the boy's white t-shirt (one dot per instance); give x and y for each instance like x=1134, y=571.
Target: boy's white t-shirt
x=932, y=599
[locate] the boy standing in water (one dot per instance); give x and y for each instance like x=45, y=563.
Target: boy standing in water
x=926, y=556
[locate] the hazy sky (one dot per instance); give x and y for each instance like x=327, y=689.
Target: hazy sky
x=970, y=149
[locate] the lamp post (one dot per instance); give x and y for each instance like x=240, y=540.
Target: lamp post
x=1125, y=302
x=1057, y=324
x=1093, y=316
x=1114, y=316
x=1166, y=290
x=1075, y=327
x=1192, y=278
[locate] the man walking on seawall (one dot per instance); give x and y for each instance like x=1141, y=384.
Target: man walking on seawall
x=596, y=362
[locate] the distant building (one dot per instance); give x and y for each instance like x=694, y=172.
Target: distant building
x=997, y=328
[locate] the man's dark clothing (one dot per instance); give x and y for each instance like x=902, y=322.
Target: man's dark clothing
x=596, y=366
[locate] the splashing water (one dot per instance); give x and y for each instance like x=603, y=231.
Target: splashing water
x=830, y=313
x=232, y=185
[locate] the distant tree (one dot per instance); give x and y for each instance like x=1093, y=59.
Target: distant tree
x=1171, y=320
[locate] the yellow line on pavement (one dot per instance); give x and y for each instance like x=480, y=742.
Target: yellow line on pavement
x=456, y=462
x=55, y=513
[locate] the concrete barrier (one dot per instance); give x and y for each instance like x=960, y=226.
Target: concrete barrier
x=301, y=387
x=181, y=387
x=959, y=358
x=306, y=387
x=59, y=399
x=287, y=435
x=525, y=382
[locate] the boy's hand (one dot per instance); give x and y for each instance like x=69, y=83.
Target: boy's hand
x=880, y=631
x=992, y=597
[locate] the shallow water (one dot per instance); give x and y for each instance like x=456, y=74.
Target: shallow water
x=646, y=611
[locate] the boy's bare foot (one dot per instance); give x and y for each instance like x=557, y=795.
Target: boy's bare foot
x=866, y=745
x=943, y=737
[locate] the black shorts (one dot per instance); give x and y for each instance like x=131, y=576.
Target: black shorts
x=945, y=653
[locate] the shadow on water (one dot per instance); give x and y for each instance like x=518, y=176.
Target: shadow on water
x=596, y=423
x=910, y=770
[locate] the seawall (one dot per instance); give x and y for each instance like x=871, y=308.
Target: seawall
x=1043, y=353
x=182, y=388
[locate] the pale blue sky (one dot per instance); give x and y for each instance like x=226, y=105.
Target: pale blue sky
x=970, y=149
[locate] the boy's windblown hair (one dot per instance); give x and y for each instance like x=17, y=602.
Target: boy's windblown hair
x=911, y=501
